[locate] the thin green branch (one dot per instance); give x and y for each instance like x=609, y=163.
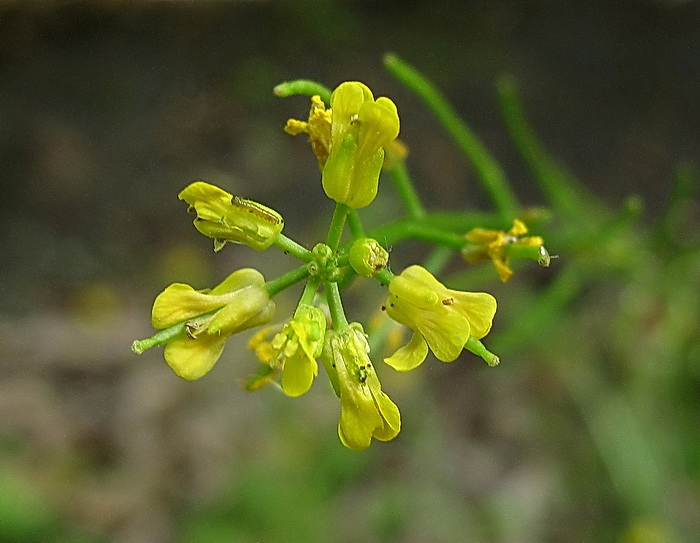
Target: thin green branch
x=168, y=334
x=335, y=231
x=488, y=171
x=396, y=231
x=305, y=87
x=384, y=277
x=475, y=346
x=355, y=224
x=335, y=305
x=285, y=281
x=307, y=297
x=406, y=190
x=561, y=188
x=438, y=259
x=293, y=248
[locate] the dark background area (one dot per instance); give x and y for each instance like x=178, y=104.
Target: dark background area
x=108, y=109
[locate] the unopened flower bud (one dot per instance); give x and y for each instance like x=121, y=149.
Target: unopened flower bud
x=367, y=257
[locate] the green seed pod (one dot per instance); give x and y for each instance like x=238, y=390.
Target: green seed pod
x=367, y=257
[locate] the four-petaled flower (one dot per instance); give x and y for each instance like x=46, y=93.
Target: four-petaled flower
x=240, y=302
x=441, y=318
x=365, y=411
x=294, y=349
x=495, y=245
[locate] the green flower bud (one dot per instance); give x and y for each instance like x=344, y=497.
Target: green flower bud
x=225, y=217
x=367, y=257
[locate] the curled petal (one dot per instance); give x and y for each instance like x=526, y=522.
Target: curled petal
x=409, y=356
x=391, y=417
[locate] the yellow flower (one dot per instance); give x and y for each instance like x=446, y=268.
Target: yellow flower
x=318, y=128
x=365, y=411
x=361, y=127
x=441, y=318
x=349, y=140
x=225, y=217
x=209, y=316
x=295, y=349
x=497, y=245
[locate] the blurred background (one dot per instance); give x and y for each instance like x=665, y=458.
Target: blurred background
x=588, y=431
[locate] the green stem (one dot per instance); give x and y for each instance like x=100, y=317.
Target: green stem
x=384, y=277
x=293, y=248
x=396, y=231
x=335, y=231
x=335, y=305
x=438, y=259
x=307, y=297
x=489, y=173
x=463, y=221
x=176, y=331
x=303, y=86
x=285, y=281
x=530, y=252
x=475, y=346
x=562, y=190
x=407, y=192
x=355, y=225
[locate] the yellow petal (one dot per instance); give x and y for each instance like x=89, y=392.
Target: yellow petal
x=409, y=356
x=391, y=417
x=446, y=333
x=240, y=278
x=518, y=228
x=243, y=304
x=379, y=125
x=479, y=308
x=209, y=201
x=180, y=302
x=193, y=358
x=358, y=420
x=298, y=374
x=345, y=105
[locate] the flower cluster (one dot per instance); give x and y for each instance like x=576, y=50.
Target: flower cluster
x=351, y=140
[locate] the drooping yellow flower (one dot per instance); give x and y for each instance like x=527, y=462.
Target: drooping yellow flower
x=240, y=302
x=294, y=349
x=365, y=410
x=441, y=319
x=361, y=127
x=318, y=127
x=495, y=245
x=225, y=217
